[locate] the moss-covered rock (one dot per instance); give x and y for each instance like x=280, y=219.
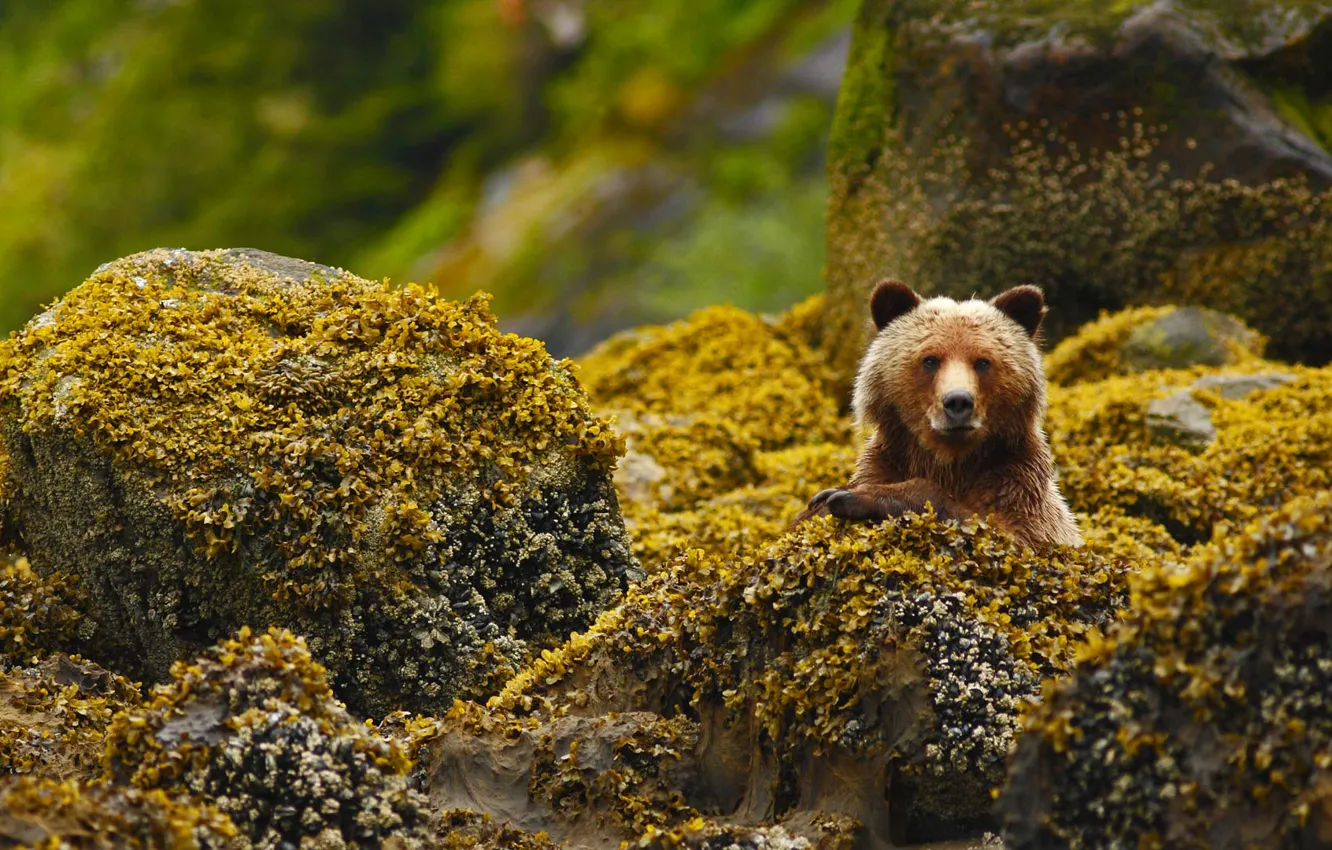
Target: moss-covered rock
x=54, y=716
x=1204, y=720
x=47, y=813
x=216, y=439
x=1155, y=138
x=838, y=666
x=253, y=728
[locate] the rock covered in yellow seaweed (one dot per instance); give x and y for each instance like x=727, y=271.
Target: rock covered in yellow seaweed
x=718, y=409
x=1144, y=338
x=215, y=439
x=54, y=716
x=253, y=727
x=840, y=664
x=1269, y=445
x=70, y=815
x=1204, y=721
x=720, y=362
x=38, y=614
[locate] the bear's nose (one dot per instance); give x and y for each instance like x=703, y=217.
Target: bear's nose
x=958, y=404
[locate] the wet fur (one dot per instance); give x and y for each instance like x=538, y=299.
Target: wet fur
x=1004, y=468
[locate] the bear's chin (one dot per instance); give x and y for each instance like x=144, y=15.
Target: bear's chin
x=954, y=442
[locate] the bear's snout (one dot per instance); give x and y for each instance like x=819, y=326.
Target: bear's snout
x=959, y=405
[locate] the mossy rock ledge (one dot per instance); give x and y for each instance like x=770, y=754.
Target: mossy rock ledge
x=1116, y=154
x=209, y=440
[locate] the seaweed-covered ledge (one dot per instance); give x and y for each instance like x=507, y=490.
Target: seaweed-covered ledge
x=210, y=440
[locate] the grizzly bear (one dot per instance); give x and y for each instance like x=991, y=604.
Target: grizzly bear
x=953, y=396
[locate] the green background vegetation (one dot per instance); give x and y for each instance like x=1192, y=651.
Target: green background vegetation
x=375, y=135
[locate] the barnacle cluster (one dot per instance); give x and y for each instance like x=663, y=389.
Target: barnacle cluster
x=253, y=728
x=78, y=816
x=376, y=468
x=54, y=716
x=38, y=614
x=1203, y=720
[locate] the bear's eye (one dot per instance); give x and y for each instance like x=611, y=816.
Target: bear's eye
x=982, y=365
x=931, y=363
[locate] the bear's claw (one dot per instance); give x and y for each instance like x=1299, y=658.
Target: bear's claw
x=848, y=504
x=822, y=496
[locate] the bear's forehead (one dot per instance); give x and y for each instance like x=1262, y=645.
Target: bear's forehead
x=973, y=321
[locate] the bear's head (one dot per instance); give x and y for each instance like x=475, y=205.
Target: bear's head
x=954, y=373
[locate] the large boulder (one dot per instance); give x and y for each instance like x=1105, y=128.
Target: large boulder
x=1114, y=153
x=216, y=439
x=1203, y=721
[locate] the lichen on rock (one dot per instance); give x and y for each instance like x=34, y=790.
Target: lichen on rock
x=216, y=439
x=1203, y=721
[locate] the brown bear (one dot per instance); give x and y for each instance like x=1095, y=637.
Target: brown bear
x=953, y=394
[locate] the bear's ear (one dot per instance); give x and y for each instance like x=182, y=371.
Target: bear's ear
x=1024, y=305
x=891, y=298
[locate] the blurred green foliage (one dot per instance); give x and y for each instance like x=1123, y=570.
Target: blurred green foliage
x=362, y=133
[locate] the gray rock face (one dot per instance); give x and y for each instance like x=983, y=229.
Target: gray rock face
x=210, y=440
x=1180, y=418
x=982, y=144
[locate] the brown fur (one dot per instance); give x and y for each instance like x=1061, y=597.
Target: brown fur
x=992, y=461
